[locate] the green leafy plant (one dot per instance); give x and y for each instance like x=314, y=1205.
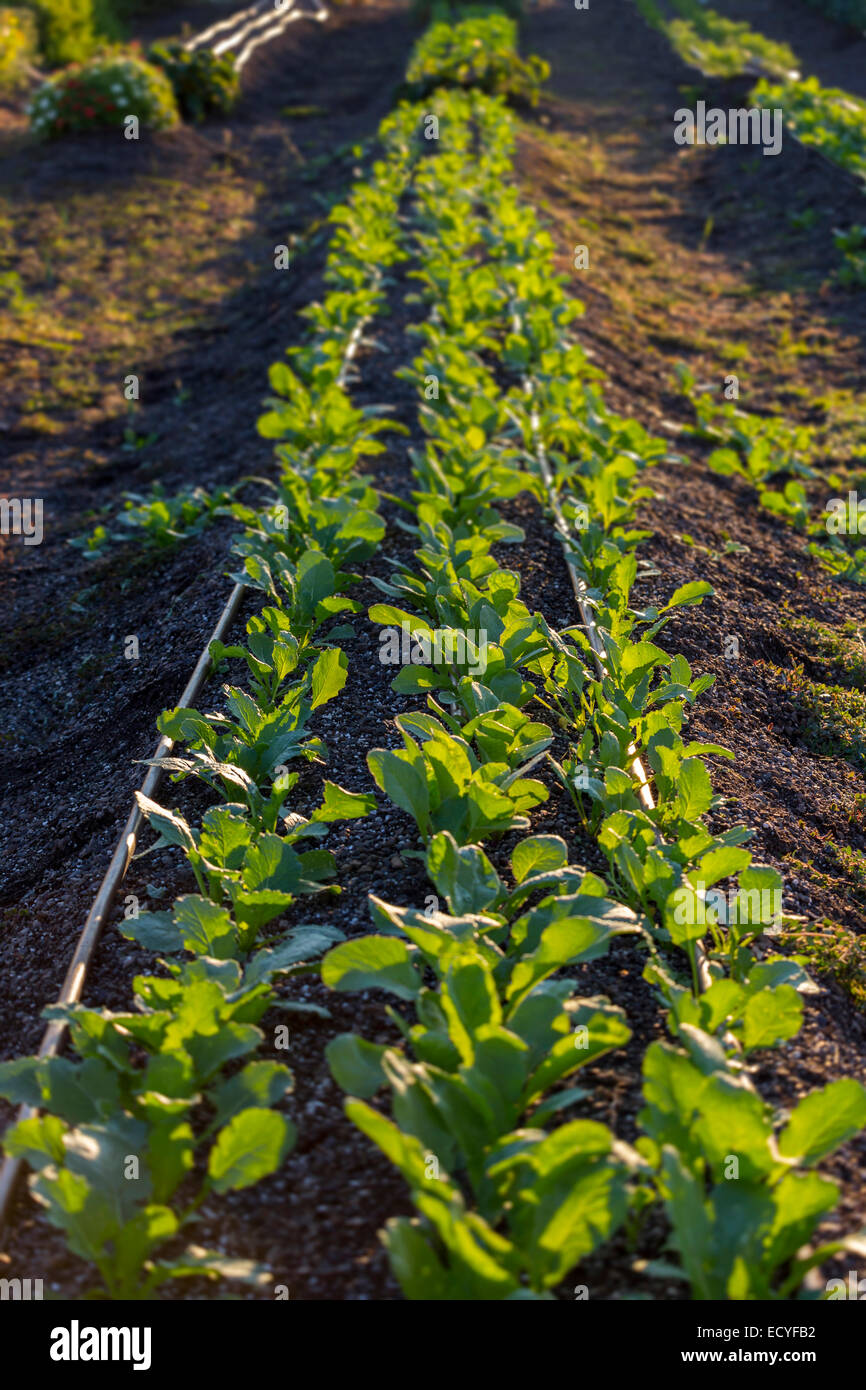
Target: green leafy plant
x=114, y=1150
x=490, y=1040
x=151, y=1114
x=479, y=52
x=204, y=83
x=444, y=785
x=742, y=1239
x=462, y=970
x=158, y=519
x=724, y=47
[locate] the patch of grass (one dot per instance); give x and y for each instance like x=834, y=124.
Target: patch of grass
x=832, y=949
x=123, y=304
x=832, y=717
x=838, y=653
x=634, y=252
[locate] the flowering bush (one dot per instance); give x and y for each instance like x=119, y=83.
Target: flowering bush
x=17, y=47
x=101, y=93
x=202, y=82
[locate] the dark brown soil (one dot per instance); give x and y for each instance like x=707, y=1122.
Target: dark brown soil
x=834, y=53
x=691, y=260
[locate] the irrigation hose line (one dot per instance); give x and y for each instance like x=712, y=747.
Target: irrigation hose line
x=242, y=35
x=598, y=650
x=73, y=984
x=114, y=875
x=239, y=29
x=259, y=8
x=257, y=40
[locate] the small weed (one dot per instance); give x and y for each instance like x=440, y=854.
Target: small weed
x=832, y=949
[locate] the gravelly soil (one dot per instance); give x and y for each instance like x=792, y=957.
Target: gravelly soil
x=69, y=771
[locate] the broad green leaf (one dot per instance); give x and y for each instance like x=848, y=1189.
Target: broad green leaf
x=801, y=1200
x=771, y=1016
x=688, y=594
x=328, y=676
x=721, y=863
x=260, y=1084
x=338, y=804
x=314, y=580
x=566, y=942
x=38, y=1140
x=574, y=1215
x=401, y=782
x=463, y=873
x=694, y=790
x=155, y=931
x=470, y=1001
x=206, y=928
x=81, y=1212
x=372, y=962
x=225, y=835
x=250, y=1147
x=170, y=824
x=823, y=1121
x=692, y=1229
x=415, y=1263
x=170, y=1156
x=595, y=1031
x=19, y=1081
x=685, y=915
x=98, y=1153
x=540, y=854
x=356, y=1065
x=271, y=863
x=733, y=1122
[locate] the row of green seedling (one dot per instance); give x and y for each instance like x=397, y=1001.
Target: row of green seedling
x=594, y=449
x=666, y=864
x=161, y=1106
x=505, y=1208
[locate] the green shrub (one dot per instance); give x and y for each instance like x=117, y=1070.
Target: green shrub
x=100, y=94
x=71, y=31
x=67, y=30
x=17, y=47
x=479, y=52
x=203, y=83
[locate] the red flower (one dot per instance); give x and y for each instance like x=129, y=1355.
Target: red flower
x=89, y=111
